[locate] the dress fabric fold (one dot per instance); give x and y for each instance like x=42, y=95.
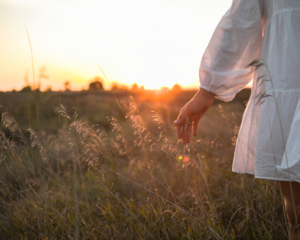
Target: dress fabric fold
x=268, y=30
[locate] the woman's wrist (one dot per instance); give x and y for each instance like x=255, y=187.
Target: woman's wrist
x=202, y=93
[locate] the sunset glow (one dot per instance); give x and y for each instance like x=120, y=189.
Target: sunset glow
x=154, y=43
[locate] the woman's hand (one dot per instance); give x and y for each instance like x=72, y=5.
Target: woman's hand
x=191, y=114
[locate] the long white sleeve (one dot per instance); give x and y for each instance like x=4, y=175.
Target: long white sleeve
x=234, y=44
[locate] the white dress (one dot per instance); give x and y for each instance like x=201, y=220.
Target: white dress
x=268, y=144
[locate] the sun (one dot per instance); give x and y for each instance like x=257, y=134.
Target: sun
x=156, y=76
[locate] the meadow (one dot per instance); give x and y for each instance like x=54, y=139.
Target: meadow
x=108, y=165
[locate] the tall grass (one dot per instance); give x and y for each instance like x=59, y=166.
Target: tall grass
x=88, y=182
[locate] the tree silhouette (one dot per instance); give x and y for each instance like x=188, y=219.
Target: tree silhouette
x=135, y=87
x=176, y=88
x=96, y=83
x=26, y=89
x=117, y=87
x=67, y=85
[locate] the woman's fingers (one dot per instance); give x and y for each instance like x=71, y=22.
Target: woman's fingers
x=182, y=116
x=184, y=135
x=195, y=127
x=194, y=110
x=189, y=133
x=184, y=132
x=179, y=131
x=180, y=122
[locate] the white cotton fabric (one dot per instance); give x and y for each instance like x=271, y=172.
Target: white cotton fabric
x=268, y=141
x=290, y=166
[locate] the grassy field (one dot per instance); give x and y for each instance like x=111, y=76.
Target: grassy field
x=85, y=166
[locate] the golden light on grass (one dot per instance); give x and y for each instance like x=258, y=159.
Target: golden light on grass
x=98, y=175
x=89, y=166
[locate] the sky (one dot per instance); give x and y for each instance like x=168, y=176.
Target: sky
x=153, y=43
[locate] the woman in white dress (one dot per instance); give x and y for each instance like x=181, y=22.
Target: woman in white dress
x=268, y=145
